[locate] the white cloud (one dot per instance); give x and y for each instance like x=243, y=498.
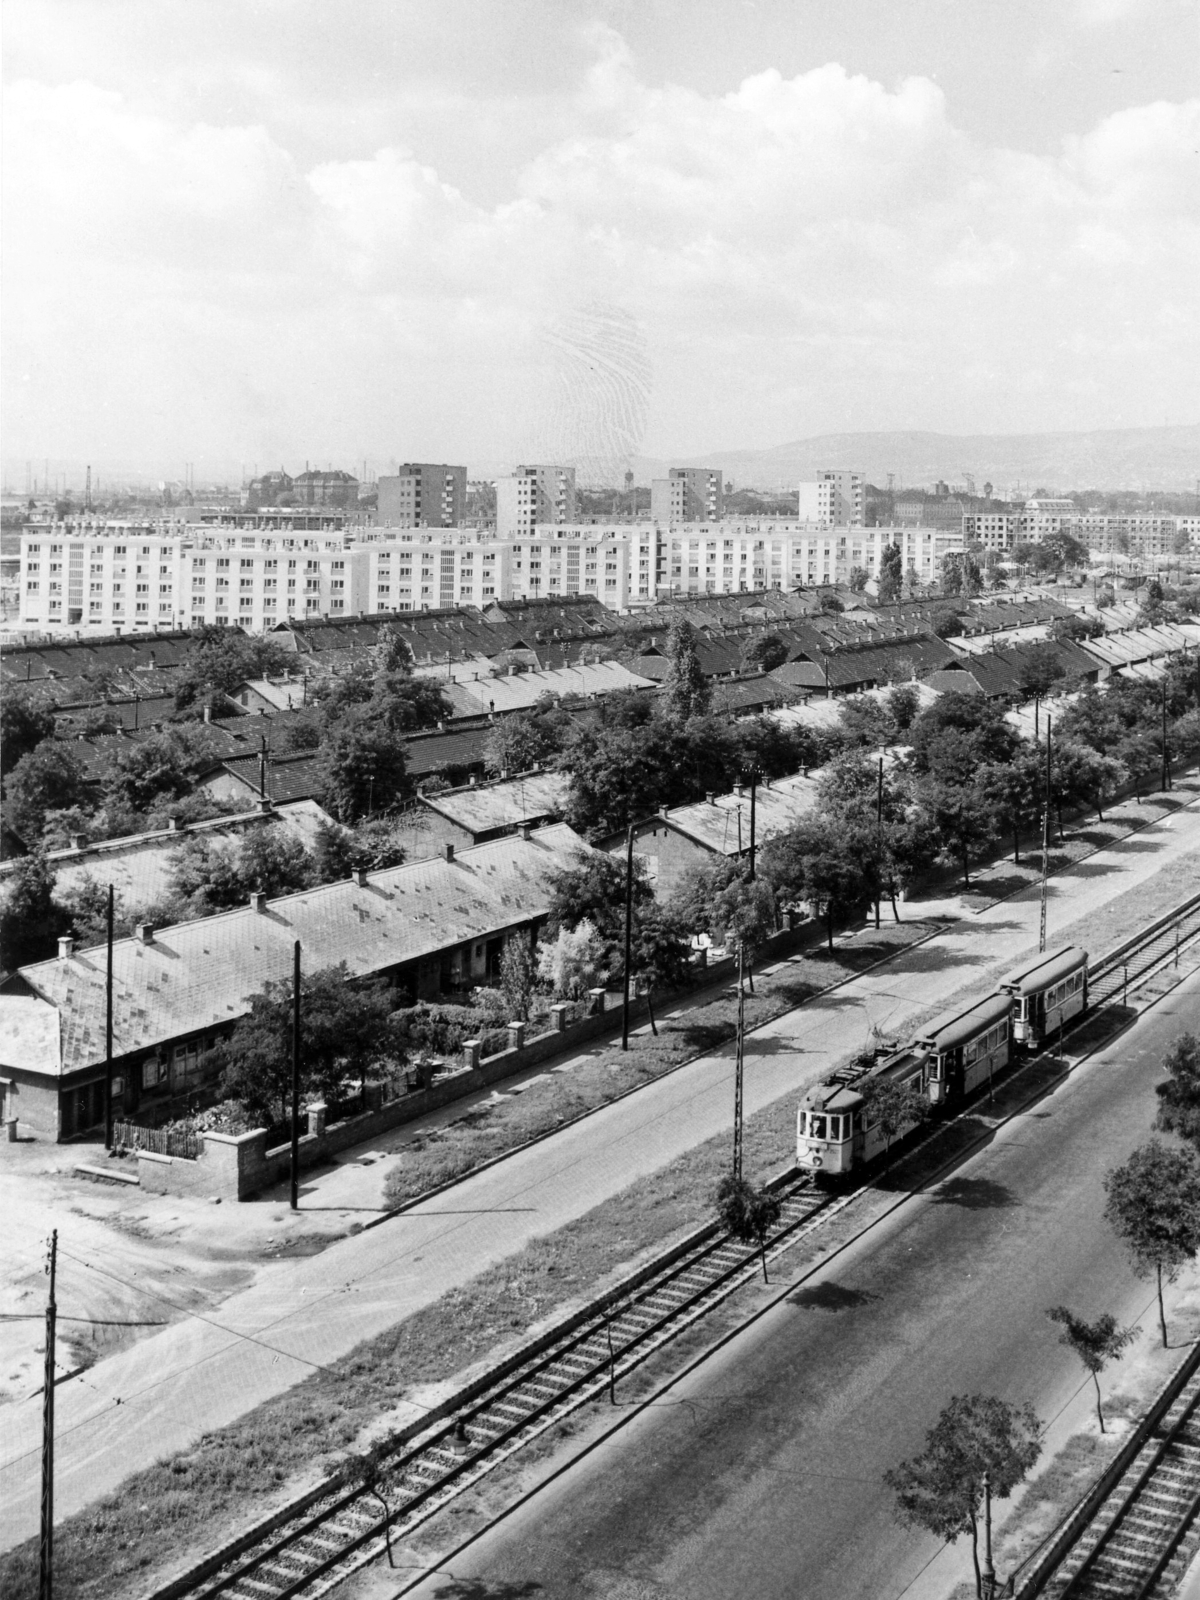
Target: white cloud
x=805, y=254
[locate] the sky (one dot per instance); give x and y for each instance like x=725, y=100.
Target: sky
x=251, y=233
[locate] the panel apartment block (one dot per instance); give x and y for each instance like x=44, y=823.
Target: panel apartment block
x=534, y=495
x=687, y=494
x=422, y=495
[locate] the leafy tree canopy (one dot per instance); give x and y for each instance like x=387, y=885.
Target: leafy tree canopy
x=50, y=777
x=23, y=726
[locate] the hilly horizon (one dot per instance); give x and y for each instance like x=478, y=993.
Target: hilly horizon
x=1111, y=458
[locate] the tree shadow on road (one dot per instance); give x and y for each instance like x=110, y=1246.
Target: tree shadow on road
x=830, y=1297
x=974, y=1194
x=482, y=1589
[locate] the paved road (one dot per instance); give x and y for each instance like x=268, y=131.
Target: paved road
x=760, y=1474
x=201, y=1373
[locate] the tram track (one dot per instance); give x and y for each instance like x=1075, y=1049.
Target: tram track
x=314, y=1551
x=311, y=1549
x=1137, y=1536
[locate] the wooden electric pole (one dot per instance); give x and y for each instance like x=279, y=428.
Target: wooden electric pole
x=46, y=1583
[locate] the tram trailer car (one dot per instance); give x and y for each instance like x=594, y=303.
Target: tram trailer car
x=1047, y=992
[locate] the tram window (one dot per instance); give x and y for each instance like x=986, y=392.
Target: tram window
x=817, y=1127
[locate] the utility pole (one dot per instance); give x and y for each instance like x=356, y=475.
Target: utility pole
x=296, y=1077
x=753, y=795
x=879, y=838
x=46, y=1583
x=628, y=936
x=739, y=1063
x=1045, y=845
x=262, y=767
x=1166, y=765
x=987, y=1576
x=108, y=1029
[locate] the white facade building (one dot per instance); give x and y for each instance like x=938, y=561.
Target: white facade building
x=832, y=499
x=533, y=495
x=113, y=579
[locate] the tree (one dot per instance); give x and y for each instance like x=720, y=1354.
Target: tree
x=31, y=920
x=685, y=691
x=333, y=852
x=893, y=1106
x=765, y=652
x=344, y=1031
x=1154, y=1209
x=1014, y=792
x=1077, y=627
x=1179, y=1097
x=527, y=738
x=724, y=902
x=162, y=767
x=573, y=962
x=1095, y=1343
x=819, y=861
x=1039, y=668
x=220, y=660
x=23, y=726
x=363, y=769
x=1080, y=776
x=368, y=1471
x=946, y=624
x=891, y=573
x=51, y=777
x=214, y=874
x=661, y=955
x=518, y=974
x=904, y=705
x=619, y=774
x=592, y=890
x=858, y=579
x=747, y=1213
x=959, y=733
x=961, y=818
x=942, y=1489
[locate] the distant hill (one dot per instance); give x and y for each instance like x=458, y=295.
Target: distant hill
x=1111, y=458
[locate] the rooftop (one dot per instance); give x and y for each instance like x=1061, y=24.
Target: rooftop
x=201, y=975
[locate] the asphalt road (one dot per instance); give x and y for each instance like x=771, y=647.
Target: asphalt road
x=760, y=1473
x=204, y=1371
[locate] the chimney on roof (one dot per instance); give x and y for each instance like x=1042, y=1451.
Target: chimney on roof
x=172, y=824
x=79, y=841
x=145, y=932
x=738, y=790
x=66, y=947
x=503, y=772
x=710, y=795
x=208, y=713
x=258, y=900
x=449, y=848
x=662, y=811
x=360, y=877
x=527, y=830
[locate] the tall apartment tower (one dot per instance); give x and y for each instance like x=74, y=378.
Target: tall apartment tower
x=833, y=500
x=687, y=494
x=533, y=496
x=423, y=494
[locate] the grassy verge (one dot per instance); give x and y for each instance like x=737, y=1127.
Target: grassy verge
x=488, y=1131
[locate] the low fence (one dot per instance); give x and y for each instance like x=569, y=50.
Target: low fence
x=181, y=1143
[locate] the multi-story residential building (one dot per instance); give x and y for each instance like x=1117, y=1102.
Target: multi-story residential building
x=144, y=578
x=533, y=495
x=422, y=495
x=832, y=499
x=994, y=530
x=687, y=494
x=140, y=577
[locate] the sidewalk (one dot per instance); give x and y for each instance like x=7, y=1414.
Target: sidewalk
x=156, y=1398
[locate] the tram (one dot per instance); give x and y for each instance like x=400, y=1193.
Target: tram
x=948, y=1061
x=1047, y=992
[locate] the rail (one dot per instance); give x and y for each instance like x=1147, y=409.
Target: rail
x=341, y=1531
